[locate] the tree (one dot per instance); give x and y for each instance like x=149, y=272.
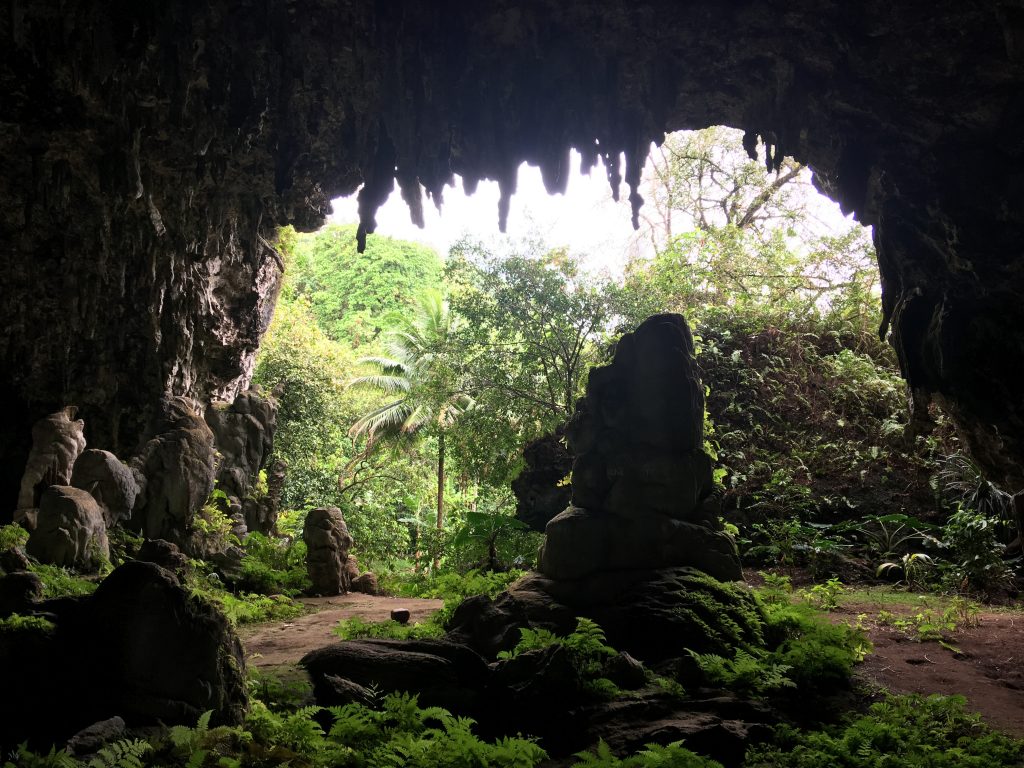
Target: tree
x=533, y=327
x=356, y=296
x=417, y=369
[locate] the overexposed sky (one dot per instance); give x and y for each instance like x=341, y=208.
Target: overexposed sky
x=585, y=218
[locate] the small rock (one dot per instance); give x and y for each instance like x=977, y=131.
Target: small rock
x=163, y=553
x=13, y=559
x=71, y=530
x=91, y=739
x=626, y=672
x=18, y=591
x=366, y=583
x=401, y=615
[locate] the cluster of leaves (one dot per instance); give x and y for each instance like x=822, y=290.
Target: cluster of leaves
x=62, y=582
x=356, y=628
x=587, y=648
x=673, y=755
x=911, y=731
x=274, y=566
x=17, y=622
x=12, y=536
x=243, y=607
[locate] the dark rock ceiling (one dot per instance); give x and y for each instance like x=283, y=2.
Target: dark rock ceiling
x=151, y=149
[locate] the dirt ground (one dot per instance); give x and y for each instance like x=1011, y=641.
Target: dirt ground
x=276, y=644
x=988, y=671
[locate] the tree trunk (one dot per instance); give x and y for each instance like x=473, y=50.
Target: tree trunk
x=440, y=495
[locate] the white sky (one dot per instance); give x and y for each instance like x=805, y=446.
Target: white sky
x=585, y=218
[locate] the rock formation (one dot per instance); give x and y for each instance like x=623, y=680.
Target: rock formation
x=327, y=544
x=178, y=467
x=540, y=488
x=57, y=441
x=70, y=530
x=109, y=481
x=149, y=155
x=243, y=432
x=641, y=476
x=140, y=648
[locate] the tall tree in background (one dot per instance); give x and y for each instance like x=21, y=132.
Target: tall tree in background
x=727, y=233
x=534, y=323
x=417, y=371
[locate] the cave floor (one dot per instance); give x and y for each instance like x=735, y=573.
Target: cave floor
x=279, y=643
x=988, y=670
x=987, y=666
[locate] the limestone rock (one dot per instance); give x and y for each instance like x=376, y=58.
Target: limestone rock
x=12, y=560
x=641, y=477
x=162, y=654
x=178, y=466
x=243, y=432
x=445, y=674
x=327, y=544
x=18, y=591
x=366, y=582
x=580, y=542
x=109, y=481
x=91, y=739
x=650, y=614
x=57, y=442
x=165, y=554
x=540, y=490
x=70, y=530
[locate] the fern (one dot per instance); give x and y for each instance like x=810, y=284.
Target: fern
x=673, y=755
x=124, y=753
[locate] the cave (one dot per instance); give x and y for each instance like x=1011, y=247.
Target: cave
x=152, y=151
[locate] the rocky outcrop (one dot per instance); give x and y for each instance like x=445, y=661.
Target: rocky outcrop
x=178, y=467
x=57, y=442
x=542, y=489
x=140, y=648
x=70, y=530
x=149, y=155
x=641, y=476
x=109, y=481
x=243, y=432
x=327, y=544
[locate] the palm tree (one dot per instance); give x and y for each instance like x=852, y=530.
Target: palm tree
x=416, y=369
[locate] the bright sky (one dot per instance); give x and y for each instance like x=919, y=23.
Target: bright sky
x=585, y=218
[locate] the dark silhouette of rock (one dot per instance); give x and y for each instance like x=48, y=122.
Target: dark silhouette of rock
x=57, y=442
x=165, y=554
x=444, y=674
x=70, y=530
x=19, y=591
x=107, y=480
x=540, y=488
x=401, y=615
x=141, y=647
x=90, y=740
x=327, y=544
x=365, y=582
x=13, y=559
x=640, y=476
x=178, y=468
x=243, y=433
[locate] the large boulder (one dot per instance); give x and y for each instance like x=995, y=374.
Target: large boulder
x=141, y=648
x=327, y=544
x=70, y=530
x=107, y=480
x=57, y=441
x=161, y=654
x=444, y=674
x=178, y=466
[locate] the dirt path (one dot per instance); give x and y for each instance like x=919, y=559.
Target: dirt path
x=270, y=645
x=988, y=671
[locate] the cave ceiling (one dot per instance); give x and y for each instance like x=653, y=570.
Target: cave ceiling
x=150, y=151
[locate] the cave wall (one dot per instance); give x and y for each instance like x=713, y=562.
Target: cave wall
x=150, y=151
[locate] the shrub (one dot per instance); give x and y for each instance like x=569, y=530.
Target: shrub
x=272, y=566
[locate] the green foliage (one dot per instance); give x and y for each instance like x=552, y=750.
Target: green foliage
x=25, y=758
x=453, y=588
x=125, y=753
x=745, y=673
x=274, y=566
x=824, y=596
x=904, y=731
x=17, y=622
x=356, y=628
x=673, y=755
x=355, y=296
x=62, y=582
x=12, y=536
x=213, y=524
x=244, y=607
x=820, y=656
x=972, y=544
x=911, y=567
